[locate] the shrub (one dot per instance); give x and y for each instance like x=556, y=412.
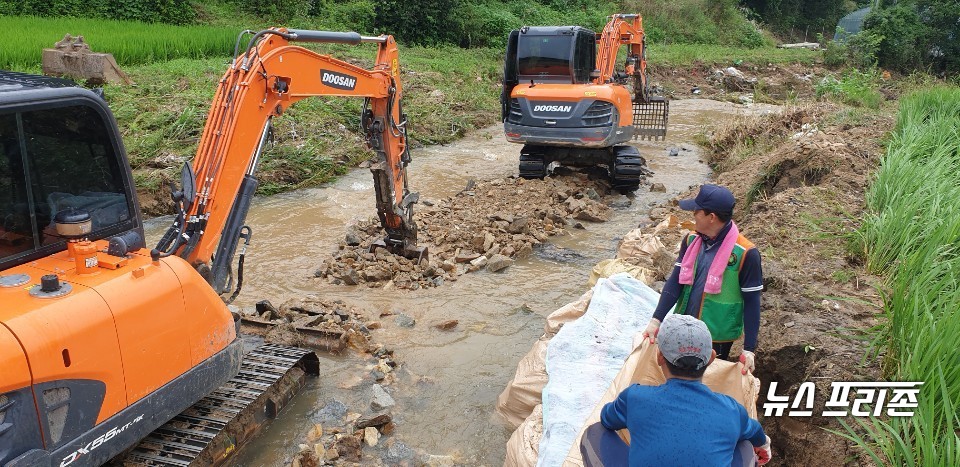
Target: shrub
x=852, y=88
x=149, y=11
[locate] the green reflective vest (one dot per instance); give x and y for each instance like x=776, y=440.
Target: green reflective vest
x=722, y=312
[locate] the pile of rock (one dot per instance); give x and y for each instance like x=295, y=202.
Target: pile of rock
x=312, y=322
x=488, y=226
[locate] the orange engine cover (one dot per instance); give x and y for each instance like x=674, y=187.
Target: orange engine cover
x=133, y=328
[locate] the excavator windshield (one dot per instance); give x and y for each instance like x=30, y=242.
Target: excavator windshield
x=54, y=160
x=556, y=55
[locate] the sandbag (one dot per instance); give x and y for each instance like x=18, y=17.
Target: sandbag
x=609, y=267
x=586, y=355
x=641, y=368
x=522, y=445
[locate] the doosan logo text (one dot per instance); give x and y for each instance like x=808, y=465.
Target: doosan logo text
x=552, y=108
x=338, y=80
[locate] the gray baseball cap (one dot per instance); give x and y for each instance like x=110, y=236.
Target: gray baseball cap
x=685, y=336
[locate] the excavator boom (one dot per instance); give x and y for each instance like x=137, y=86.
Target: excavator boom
x=261, y=83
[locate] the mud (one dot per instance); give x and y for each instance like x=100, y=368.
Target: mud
x=747, y=83
x=488, y=225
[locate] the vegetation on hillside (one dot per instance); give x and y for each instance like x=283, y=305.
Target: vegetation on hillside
x=911, y=236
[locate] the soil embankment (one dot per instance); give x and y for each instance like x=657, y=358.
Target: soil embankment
x=800, y=202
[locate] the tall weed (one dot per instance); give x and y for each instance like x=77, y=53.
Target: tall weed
x=913, y=237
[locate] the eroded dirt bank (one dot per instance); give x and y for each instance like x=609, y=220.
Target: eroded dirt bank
x=801, y=196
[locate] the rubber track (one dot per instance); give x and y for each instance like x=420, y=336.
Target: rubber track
x=628, y=169
x=532, y=162
x=181, y=440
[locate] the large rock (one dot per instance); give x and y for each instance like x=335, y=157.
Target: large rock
x=348, y=447
x=375, y=421
x=499, y=263
x=381, y=400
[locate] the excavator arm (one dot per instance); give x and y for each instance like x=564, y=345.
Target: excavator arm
x=623, y=30
x=650, y=113
x=260, y=84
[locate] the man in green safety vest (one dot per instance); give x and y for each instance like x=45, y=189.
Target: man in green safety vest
x=717, y=277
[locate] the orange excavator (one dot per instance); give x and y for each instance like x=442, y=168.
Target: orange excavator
x=564, y=100
x=110, y=349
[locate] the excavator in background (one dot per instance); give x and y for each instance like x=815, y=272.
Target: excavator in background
x=105, y=344
x=564, y=100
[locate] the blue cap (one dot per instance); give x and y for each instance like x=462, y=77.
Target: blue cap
x=713, y=198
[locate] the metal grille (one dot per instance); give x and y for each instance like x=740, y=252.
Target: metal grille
x=516, y=115
x=650, y=119
x=4, y=405
x=600, y=113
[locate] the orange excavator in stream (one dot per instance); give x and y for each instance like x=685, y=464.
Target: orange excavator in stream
x=105, y=344
x=565, y=102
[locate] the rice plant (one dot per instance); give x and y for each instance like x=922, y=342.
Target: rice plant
x=25, y=37
x=913, y=237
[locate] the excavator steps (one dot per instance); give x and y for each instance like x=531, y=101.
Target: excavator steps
x=650, y=118
x=210, y=431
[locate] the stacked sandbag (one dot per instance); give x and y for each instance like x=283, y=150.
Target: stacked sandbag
x=642, y=253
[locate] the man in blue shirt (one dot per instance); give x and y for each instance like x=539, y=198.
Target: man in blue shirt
x=683, y=422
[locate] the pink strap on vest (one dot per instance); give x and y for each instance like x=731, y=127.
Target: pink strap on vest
x=715, y=273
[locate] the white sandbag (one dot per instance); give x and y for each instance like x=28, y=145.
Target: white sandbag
x=585, y=356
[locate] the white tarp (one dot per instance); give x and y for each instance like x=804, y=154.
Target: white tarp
x=585, y=356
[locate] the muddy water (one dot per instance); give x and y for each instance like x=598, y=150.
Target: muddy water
x=448, y=382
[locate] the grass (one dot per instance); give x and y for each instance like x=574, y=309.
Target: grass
x=691, y=54
x=853, y=87
x=130, y=42
x=446, y=94
x=912, y=236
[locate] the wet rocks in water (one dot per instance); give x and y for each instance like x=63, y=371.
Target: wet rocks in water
x=309, y=321
x=405, y=321
x=375, y=421
x=501, y=220
x=348, y=448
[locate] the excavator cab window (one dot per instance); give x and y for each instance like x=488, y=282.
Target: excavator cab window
x=57, y=159
x=545, y=58
x=556, y=55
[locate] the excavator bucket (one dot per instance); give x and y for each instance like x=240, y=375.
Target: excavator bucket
x=650, y=118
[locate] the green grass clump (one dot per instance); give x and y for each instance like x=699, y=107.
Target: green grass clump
x=689, y=54
x=913, y=237
x=130, y=42
x=853, y=87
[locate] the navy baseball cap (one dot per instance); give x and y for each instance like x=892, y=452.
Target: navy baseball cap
x=713, y=198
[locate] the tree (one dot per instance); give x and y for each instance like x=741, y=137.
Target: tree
x=918, y=34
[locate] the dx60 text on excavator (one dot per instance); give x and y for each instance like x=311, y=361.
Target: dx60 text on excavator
x=564, y=100
x=105, y=344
